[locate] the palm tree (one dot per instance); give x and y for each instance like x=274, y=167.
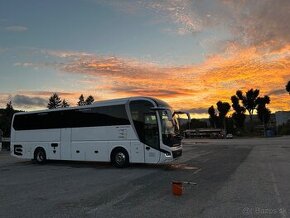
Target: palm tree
x=249, y=101
x=223, y=108
x=239, y=114
x=263, y=112
x=212, y=116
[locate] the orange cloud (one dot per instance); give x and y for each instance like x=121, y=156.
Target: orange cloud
x=185, y=87
x=196, y=86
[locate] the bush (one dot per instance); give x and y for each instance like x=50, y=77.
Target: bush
x=6, y=146
x=284, y=129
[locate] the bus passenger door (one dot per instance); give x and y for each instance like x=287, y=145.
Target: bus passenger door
x=151, y=155
x=137, y=152
x=65, y=144
x=151, y=138
x=146, y=126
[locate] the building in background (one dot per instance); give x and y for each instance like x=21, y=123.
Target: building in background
x=282, y=117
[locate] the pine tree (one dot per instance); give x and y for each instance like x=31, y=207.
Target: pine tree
x=90, y=100
x=64, y=103
x=9, y=110
x=54, y=101
x=5, y=121
x=81, y=101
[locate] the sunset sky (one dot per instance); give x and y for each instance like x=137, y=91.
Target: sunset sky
x=188, y=53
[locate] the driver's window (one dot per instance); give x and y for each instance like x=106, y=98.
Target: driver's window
x=167, y=125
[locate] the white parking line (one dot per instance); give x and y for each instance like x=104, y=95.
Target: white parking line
x=197, y=171
x=277, y=193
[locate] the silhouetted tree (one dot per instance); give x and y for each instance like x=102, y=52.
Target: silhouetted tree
x=54, y=101
x=81, y=101
x=9, y=110
x=6, y=118
x=264, y=115
x=239, y=114
x=230, y=125
x=212, y=116
x=64, y=103
x=90, y=100
x=288, y=87
x=249, y=101
x=263, y=112
x=223, y=109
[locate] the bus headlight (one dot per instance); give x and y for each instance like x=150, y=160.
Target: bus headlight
x=167, y=154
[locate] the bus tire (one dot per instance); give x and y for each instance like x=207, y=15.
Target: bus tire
x=40, y=156
x=120, y=158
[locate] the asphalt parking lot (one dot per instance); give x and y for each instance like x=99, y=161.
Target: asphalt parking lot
x=235, y=178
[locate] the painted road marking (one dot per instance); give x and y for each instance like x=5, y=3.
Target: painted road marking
x=277, y=193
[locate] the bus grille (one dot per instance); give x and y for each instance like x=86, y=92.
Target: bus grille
x=177, y=153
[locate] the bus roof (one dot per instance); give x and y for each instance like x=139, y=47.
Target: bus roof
x=117, y=101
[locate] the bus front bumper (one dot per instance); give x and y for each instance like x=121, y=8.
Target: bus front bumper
x=176, y=153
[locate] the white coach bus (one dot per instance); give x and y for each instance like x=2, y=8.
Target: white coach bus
x=121, y=131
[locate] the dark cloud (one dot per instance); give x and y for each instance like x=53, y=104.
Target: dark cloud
x=16, y=28
x=144, y=90
x=277, y=92
x=48, y=93
x=27, y=102
x=263, y=23
x=199, y=110
x=259, y=23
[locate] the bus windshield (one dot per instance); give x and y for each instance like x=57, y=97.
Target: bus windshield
x=169, y=128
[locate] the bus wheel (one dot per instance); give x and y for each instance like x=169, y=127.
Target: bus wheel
x=40, y=156
x=120, y=158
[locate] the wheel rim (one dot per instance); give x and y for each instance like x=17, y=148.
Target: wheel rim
x=120, y=158
x=40, y=156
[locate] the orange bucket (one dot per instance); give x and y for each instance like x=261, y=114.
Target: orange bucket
x=177, y=188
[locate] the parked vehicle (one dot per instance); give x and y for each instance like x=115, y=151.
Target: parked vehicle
x=121, y=131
